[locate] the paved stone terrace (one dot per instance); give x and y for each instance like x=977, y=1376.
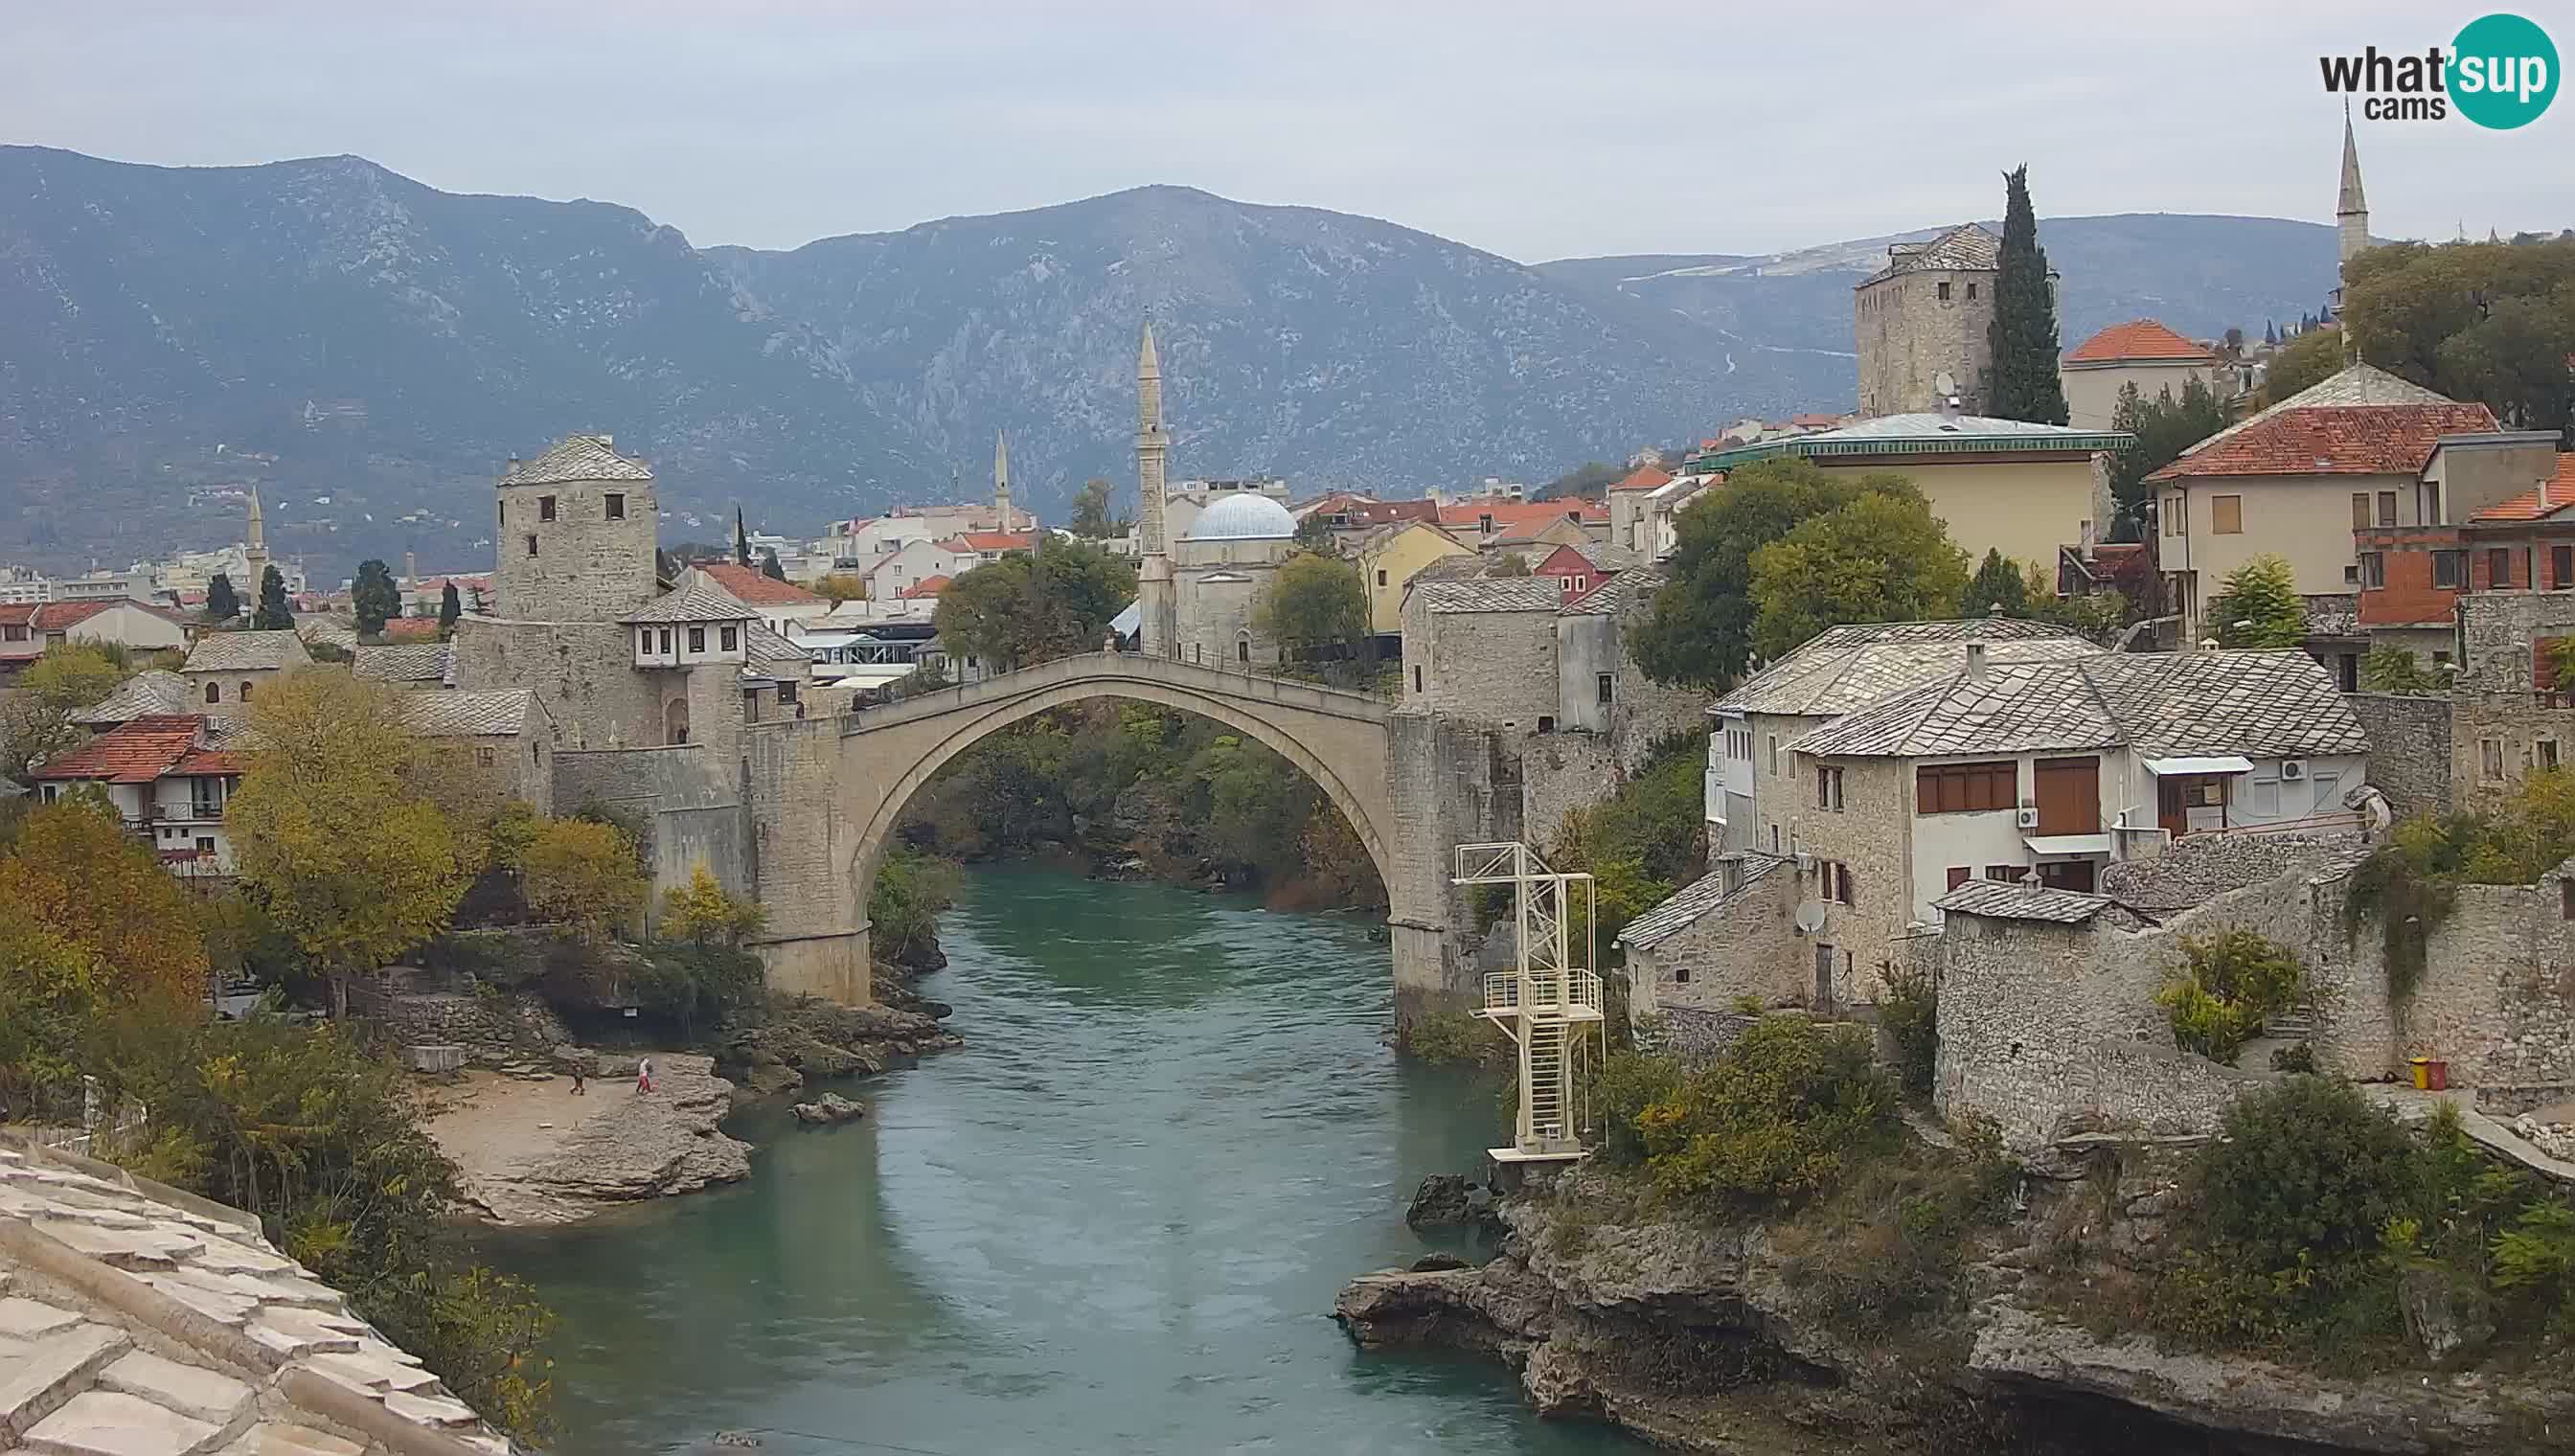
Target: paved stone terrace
x=138, y=1321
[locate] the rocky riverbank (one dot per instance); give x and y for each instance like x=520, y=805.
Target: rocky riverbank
x=1741, y=1340
x=531, y=1151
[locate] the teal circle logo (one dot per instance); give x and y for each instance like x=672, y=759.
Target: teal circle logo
x=2503, y=71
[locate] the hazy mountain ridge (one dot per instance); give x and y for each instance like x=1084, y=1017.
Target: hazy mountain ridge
x=388, y=344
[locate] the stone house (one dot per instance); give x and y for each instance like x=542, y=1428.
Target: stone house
x=224, y=668
x=1920, y=322
x=1627, y=500
x=169, y=782
x=2140, y=351
x=1482, y=650
x=1578, y=571
x=2351, y=448
x=1998, y=485
x=505, y=731
x=1389, y=556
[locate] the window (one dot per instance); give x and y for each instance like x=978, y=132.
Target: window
x=1945, y=292
x=1959, y=874
x=2387, y=508
x=787, y=692
x=2543, y=753
x=1243, y=650
x=1381, y=576
x=1545, y=722
x=205, y=845
x=697, y=639
x=1828, y=788
x=545, y=507
x=2373, y=569
x=2490, y=760
x=2499, y=569
x=1485, y=523
x=214, y=693
x=2561, y=567
x=643, y=639
x=1942, y=788
x=1564, y=583
x=2005, y=874
x=2226, y=515
x=665, y=641
x=2431, y=504
x=2448, y=568
x=532, y=543
x=1606, y=687
x=1971, y=293
x=1681, y=973
x=2265, y=799
x=1417, y=677
x=2351, y=574
x=615, y=505
x=243, y=695
x=2360, y=510
x=1774, y=755
x=2176, y=516
x=505, y=513
x=729, y=637
x=2440, y=660
x=485, y=757
x=14, y=633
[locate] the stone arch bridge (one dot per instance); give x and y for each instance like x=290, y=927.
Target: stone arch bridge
x=826, y=795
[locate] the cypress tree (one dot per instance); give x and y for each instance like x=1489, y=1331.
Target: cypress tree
x=374, y=596
x=741, y=540
x=770, y=567
x=222, y=605
x=2023, y=338
x=272, y=615
x=450, y=608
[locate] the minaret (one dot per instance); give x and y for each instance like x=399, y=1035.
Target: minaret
x=1001, y=481
x=255, y=550
x=1157, y=622
x=2351, y=210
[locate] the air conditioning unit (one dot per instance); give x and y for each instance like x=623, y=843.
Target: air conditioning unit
x=2293, y=769
x=1805, y=862
x=2028, y=819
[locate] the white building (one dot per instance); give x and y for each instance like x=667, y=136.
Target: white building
x=168, y=782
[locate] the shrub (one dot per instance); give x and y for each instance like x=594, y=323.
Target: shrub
x=701, y=914
x=583, y=873
x=2232, y=983
x=2412, y=883
x=1776, y=1119
x=1910, y=1013
x=1628, y=1083
x=2308, y=1171
x=903, y=907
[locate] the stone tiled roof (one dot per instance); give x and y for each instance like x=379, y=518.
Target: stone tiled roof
x=767, y=649
x=2139, y=339
x=402, y=663
x=692, y=602
x=144, y=694
x=451, y=713
x=2162, y=705
x=244, y=652
x=1491, y=594
x=138, y=1320
x=1618, y=596
x=1845, y=669
x=1997, y=901
x=1691, y=901
x=577, y=457
x=1966, y=246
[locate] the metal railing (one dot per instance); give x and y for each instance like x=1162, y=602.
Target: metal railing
x=1576, y=992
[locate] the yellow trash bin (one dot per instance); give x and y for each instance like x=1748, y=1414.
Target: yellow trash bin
x=2422, y=1073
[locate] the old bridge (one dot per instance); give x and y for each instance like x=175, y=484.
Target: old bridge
x=826, y=795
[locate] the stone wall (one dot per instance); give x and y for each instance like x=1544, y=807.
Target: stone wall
x=804, y=854
x=2409, y=748
x=1484, y=668
x=1746, y=946
x=2199, y=868
x=585, y=568
x=488, y=1024
x=1694, y=1036
x=1450, y=783
x=683, y=801
x=1868, y=833
x=2496, y=629
x=2497, y=738
x=1561, y=772
x=1908, y=334
x=584, y=672
x=2496, y=999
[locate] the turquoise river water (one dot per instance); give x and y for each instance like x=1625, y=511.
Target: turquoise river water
x=1114, y=1221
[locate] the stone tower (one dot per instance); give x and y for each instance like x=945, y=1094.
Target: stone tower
x=1156, y=628
x=254, y=551
x=576, y=529
x=1926, y=315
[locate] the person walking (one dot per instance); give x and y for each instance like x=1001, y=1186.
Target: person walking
x=643, y=1076
x=580, y=1080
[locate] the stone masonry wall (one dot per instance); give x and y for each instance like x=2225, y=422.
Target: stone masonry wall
x=1908, y=334
x=1561, y=772
x=585, y=568
x=1451, y=783
x=683, y=801
x=1868, y=835
x=2496, y=1001
x=804, y=854
x=2523, y=733
x=486, y=1025
x=1483, y=667
x=584, y=672
x=2409, y=748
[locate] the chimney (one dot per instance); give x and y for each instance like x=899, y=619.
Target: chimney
x=1977, y=661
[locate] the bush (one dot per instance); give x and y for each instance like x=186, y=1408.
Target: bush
x=1628, y=1083
x=2232, y=983
x=695, y=986
x=1777, y=1118
x=903, y=907
x=2412, y=883
x=583, y=875
x=2307, y=1171
x=1910, y=1013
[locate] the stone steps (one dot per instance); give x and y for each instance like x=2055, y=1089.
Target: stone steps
x=40, y=1376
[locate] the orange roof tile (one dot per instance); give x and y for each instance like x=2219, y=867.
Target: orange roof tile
x=2332, y=440
x=56, y=615
x=208, y=762
x=2553, y=494
x=927, y=586
x=133, y=753
x=753, y=587
x=1645, y=478
x=981, y=540
x=1511, y=515
x=2138, y=339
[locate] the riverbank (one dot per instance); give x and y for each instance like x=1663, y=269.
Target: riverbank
x=530, y=1151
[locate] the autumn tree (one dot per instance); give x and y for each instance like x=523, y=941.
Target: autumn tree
x=2308, y=359
x=222, y=603
x=1699, y=631
x=75, y=875
x=2258, y=606
x=842, y=587
x=2024, y=336
x=272, y=615
x=1090, y=517
x=703, y=914
x=353, y=860
x=35, y=721
x=583, y=873
x=1315, y=606
x=374, y=596
x=1882, y=558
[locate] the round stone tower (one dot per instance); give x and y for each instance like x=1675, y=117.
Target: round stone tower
x=576, y=529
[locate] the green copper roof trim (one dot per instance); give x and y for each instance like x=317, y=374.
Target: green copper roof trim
x=1816, y=446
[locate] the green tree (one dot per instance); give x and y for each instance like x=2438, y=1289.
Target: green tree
x=904, y=905
x=1508, y=563
x=75, y=675
x=222, y=605
x=2396, y=670
x=350, y=858
x=2493, y=322
x=2024, y=334
x=1699, y=631
x=1999, y=588
x=583, y=873
x=741, y=540
x=451, y=608
x=770, y=567
x=1313, y=605
x=842, y=587
x=2306, y=360
x=1882, y=558
x=2164, y=428
x=375, y=597
x=1026, y=608
x=1314, y=535
x=1588, y=481
x=2258, y=606
x=272, y=615
x=1090, y=517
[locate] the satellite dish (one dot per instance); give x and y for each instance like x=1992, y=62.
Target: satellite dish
x=1809, y=917
x=1945, y=384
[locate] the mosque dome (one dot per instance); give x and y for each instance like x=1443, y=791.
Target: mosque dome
x=1246, y=516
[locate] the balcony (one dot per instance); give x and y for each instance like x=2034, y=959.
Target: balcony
x=1572, y=995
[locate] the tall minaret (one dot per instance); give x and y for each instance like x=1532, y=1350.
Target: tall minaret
x=254, y=551
x=1001, y=481
x=2351, y=209
x=1157, y=622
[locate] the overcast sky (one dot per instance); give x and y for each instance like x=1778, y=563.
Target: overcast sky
x=1533, y=130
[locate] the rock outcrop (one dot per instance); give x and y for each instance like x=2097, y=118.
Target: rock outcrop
x=650, y=1145
x=829, y=1109
x=817, y=1040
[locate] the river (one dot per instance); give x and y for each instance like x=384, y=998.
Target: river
x=1114, y=1221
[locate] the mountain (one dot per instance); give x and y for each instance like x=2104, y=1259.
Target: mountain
x=369, y=350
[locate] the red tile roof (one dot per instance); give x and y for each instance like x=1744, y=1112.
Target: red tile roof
x=753, y=588
x=1513, y=516
x=1387, y=512
x=2139, y=339
x=133, y=753
x=18, y=613
x=2553, y=494
x=2333, y=439
x=1645, y=478
x=208, y=762
x=56, y=615
x=410, y=628
x=926, y=586
x=983, y=541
